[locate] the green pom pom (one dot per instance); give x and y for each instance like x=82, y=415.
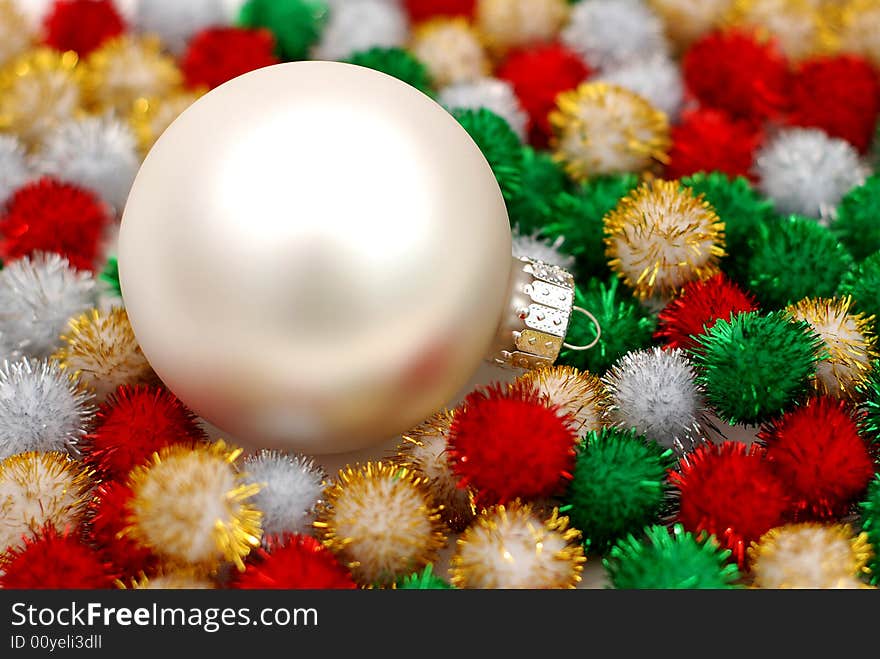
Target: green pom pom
x=858, y=219
x=397, y=63
x=871, y=525
x=869, y=392
x=625, y=324
x=541, y=180
x=110, y=276
x=577, y=217
x=424, y=580
x=793, y=259
x=743, y=212
x=862, y=283
x=618, y=485
x=664, y=560
x=295, y=24
x=499, y=145
x=752, y=366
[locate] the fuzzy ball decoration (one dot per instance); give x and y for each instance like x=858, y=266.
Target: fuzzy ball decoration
x=858, y=26
x=625, y=324
x=492, y=94
x=538, y=75
x=38, y=90
x=81, y=25
x=149, y=117
x=539, y=249
x=105, y=521
x=297, y=562
x=848, y=338
x=655, y=392
x=290, y=490
x=795, y=258
x=424, y=580
x=809, y=555
x=175, y=22
x=397, y=63
x=97, y=153
x=39, y=489
x=42, y=408
x=709, y=140
x=605, y=129
x=580, y=396
x=870, y=521
x=753, y=366
x=531, y=208
x=100, y=347
x=54, y=560
x=619, y=486
x=818, y=452
x=423, y=451
x=661, y=236
x=190, y=506
x=499, y=145
x=421, y=10
x=686, y=21
x=736, y=72
x=669, y=558
x=380, y=521
x=857, y=224
x=218, y=54
x=696, y=309
x=798, y=26
x=452, y=51
x=612, y=33
x=38, y=295
x=15, y=33
x=15, y=170
x=361, y=25
x=862, y=284
x=510, y=24
x=126, y=69
x=657, y=79
x=132, y=424
x=729, y=491
x=500, y=429
x=804, y=171
x=296, y=24
x=177, y=578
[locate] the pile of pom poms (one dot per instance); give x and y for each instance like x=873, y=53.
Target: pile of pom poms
x=704, y=168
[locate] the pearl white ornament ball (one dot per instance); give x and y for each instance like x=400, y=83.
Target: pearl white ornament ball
x=315, y=256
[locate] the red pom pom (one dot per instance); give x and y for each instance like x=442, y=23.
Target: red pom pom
x=295, y=562
x=735, y=72
x=732, y=492
x=216, y=55
x=538, y=75
x=420, y=10
x=838, y=94
x=133, y=423
x=81, y=25
x=54, y=217
x=53, y=560
x=508, y=443
x=107, y=516
x=816, y=449
x=699, y=306
x=709, y=140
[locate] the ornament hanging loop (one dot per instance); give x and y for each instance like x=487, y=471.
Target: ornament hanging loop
x=591, y=344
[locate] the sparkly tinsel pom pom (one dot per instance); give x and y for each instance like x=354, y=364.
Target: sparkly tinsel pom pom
x=862, y=284
x=218, y=54
x=81, y=25
x=579, y=395
x=870, y=520
x=498, y=143
x=294, y=562
x=105, y=521
x=537, y=248
x=424, y=580
x=857, y=222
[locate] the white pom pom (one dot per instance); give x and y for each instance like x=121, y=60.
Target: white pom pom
x=804, y=171
x=539, y=249
x=655, y=392
x=357, y=25
x=490, y=93
x=38, y=296
x=175, y=21
x=41, y=408
x=609, y=33
x=95, y=153
x=656, y=79
x=14, y=168
x=291, y=487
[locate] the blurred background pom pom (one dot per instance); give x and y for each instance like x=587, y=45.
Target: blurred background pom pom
x=510, y=24
x=420, y=10
x=294, y=562
x=81, y=25
x=657, y=79
x=15, y=32
x=858, y=26
x=290, y=490
x=424, y=580
x=857, y=221
x=579, y=395
x=149, y=117
x=173, y=578
x=490, y=93
x=104, y=524
x=175, y=22
x=686, y=21
x=218, y=54
x=296, y=24
x=540, y=249
x=15, y=170
x=398, y=63
x=862, y=283
x=451, y=50
x=499, y=145
x=870, y=523
x=356, y=25
x=709, y=140
x=798, y=26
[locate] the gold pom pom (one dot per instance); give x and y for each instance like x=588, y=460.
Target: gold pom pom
x=127, y=69
x=686, y=20
x=859, y=25
x=150, y=117
x=847, y=338
x=423, y=451
x=379, y=521
x=39, y=90
x=510, y=24
x=661, y=236
x=184, y=578
x=577, y=393
x=605, y=129
x=190, y=507
x=800, y=27
x=101, y=349
x=38, y=489
x=512, y=547
x=452, y=51
x=15, y=33
x=809, y=555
